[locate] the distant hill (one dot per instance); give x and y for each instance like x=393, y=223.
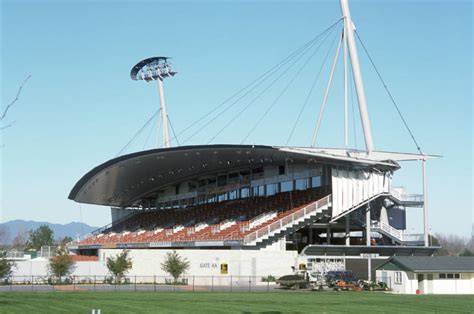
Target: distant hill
x=72, y=229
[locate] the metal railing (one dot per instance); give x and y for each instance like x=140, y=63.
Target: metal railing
x=401, y=194
x=216, y=283
x=287, y=220
x=399, y=234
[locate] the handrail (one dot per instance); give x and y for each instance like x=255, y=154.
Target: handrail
x=287, y=220
x=400, y=235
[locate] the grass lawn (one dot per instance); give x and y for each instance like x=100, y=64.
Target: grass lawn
x=184, y=302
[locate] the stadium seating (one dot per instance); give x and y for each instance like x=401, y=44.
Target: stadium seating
x=227, y=220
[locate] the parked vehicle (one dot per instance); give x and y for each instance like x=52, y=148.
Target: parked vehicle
x=375, y=286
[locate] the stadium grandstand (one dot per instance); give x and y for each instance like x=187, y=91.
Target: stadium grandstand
x=261, y=210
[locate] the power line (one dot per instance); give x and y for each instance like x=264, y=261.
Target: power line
x=390, y=95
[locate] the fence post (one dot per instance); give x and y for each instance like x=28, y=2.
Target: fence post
x=115, y=284
x=11, y=284
x=154, y=283
x=32, y=277
x=193, y=282
x=52, y=282
x=230, y=283
x=174, y=285
x=95, y=279
x=250, y=282
x=268, y=284
x=135, y=283
x=212, y=283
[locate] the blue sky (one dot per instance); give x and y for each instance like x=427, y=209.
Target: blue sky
x=80, y=106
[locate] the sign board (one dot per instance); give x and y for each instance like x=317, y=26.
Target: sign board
x=224, y=269
x=369, y=255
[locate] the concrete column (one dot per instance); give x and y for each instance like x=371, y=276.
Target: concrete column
x=348, y=231
x=328, y=234
x=310, y=235
x=367, y=225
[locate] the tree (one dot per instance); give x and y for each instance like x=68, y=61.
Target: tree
x=4, y=236
x=466, y=252
x=64, y=241
x=43, y=236
x=6, y=267
x=175, y=265
x=62, y=264
x=19, y=241
x=119, y=265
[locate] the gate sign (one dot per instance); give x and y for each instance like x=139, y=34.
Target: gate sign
x=224, y=269
x=369, y=255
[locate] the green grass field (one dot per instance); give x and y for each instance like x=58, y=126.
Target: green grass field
x=285, y=302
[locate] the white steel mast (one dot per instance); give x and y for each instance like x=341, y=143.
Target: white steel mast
x=163, y=115
x=359, y=85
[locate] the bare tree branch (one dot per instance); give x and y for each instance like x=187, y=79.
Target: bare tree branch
x=7, y=126
x=16, y=98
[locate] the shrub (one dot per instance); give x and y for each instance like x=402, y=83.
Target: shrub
x=175, y=265
x=119, y=265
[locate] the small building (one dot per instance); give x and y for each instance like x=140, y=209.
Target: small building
x=428, y=275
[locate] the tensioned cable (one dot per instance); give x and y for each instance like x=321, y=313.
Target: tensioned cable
x=302, y=52
x=256, y=98
x=138, y=133
x=308, y=96
x=390, y=94
x=262, y=78
x=284, y=90
x=172, y=129
x=148, y=137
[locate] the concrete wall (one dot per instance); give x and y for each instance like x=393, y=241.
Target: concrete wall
x=39, y=267
x=255, y=263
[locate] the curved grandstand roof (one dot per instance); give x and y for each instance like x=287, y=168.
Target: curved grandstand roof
x=123, y=180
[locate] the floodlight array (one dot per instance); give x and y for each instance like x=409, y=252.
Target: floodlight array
x=157, y=69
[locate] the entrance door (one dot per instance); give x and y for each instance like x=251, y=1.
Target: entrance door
x=429, y=289
x=421, y=283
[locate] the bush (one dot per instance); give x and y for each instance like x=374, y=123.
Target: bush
x=175, y=265
x=269, y=278
x=62, y=264
x=119, y=265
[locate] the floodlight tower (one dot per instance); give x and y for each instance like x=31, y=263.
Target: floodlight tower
x=156, y=69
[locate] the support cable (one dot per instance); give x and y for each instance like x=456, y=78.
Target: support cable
x=172, y=129
x=263, y=77
x=148, y=137
x=258, y=81
x=308, y=96
x=138, y=132
x=284, y=90
x=326, y=94
x=389, y=94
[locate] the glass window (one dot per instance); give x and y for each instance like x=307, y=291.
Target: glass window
x=271, y=189
x=301, y=184
x=287, y=186
x=457, y=276
x=442, y=276
x=316, y=181
x=450, y=276
x=398, y=277
x=281, y=170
